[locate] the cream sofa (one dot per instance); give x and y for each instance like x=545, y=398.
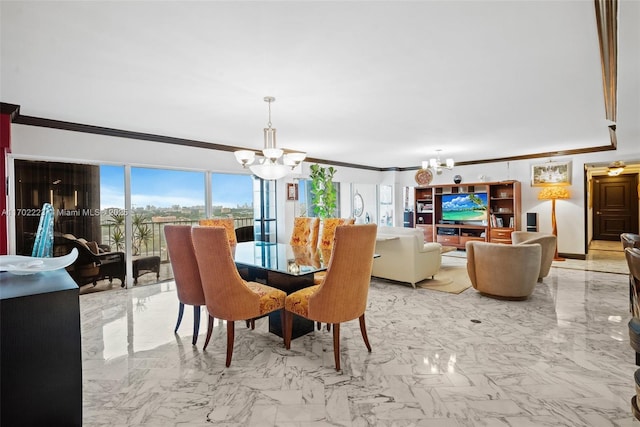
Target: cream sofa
x=404, y=256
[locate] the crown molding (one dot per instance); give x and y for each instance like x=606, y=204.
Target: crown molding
x=16, y=117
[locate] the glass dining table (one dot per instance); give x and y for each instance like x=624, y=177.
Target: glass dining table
x=282, y=266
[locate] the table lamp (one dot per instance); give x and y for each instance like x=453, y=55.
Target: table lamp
x=553, y=194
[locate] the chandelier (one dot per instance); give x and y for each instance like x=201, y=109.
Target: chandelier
x=274, y=163
x=436, y=165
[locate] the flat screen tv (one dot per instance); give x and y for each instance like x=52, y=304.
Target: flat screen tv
x=463, y=207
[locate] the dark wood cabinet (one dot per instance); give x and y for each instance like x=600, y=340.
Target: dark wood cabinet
x=72, y=189
x=40, y=350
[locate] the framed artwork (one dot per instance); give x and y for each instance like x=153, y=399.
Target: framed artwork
x=551, y=173
x=292, y=191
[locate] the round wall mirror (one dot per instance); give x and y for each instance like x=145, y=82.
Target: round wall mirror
x=358, y=204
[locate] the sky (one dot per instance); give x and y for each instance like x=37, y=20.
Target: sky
x=165, y=188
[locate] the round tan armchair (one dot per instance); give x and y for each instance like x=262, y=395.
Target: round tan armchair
x=547, y=243
x=503, y=271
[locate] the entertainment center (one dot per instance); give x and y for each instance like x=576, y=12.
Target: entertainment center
x=453, y=214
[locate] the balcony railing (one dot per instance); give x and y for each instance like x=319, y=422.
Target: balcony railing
x=155, y=245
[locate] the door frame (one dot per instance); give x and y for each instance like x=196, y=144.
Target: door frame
x=601, y=169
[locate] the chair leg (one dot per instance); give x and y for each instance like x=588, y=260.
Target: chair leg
x=196, y=324
x=287, y=322
x=180, y=313
x=363, y=331
x=209, y=330
x=319, y=325
x=336, y=344
x=230, y=337
x=328, y=327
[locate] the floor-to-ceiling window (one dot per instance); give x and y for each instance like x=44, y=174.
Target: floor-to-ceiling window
x=159, y=197
x=265, y=213
x=90, y=202
x=112, y=213
x=231, y=196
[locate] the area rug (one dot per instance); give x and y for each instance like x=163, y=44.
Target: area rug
x=455, y=253
x=451, y=279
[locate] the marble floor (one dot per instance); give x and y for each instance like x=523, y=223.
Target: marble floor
x=561, y=358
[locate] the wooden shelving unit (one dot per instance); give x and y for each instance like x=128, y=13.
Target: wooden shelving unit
x=503, y=213
x=424, y=212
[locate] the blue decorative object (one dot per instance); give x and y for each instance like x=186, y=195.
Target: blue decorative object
x=43, y=244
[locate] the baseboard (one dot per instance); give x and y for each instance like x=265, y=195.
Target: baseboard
x=573, y=256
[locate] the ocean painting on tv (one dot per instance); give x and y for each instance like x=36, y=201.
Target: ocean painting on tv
x=464, y=207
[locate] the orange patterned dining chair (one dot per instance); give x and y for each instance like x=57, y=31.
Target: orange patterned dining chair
x=305, y=231
x=325, y=242
x=227, y=223
x=227, y=295
x=342, y=296
x=185, y=274
x=328, y=229
x=306, y=256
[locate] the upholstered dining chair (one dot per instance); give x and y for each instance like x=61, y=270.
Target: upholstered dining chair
x=328, y=228
x=306, y=255
x=185, y=274
x=547, y=243
x=245, y=234
x=342, y=296
x=227, y=223
x=305, y=231
x=325, y=241
x=227, y=295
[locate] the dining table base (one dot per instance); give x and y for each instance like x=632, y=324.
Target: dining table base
x=287, y=283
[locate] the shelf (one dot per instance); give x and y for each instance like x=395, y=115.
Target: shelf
x=469, y=226
x=503, y=200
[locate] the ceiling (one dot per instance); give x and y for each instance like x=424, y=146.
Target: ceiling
x=381, y=84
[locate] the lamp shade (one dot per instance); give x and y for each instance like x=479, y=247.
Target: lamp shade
x=554, y=193
x=245, y=156
x=270, y=171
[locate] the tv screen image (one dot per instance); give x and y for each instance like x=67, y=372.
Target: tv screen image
x=464, y=207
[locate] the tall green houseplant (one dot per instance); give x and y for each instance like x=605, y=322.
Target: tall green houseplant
x=323, y=191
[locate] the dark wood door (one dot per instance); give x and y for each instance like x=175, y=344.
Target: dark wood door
x=615, y=206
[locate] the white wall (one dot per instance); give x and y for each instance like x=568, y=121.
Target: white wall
x=30, y=142
x=570, y=214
